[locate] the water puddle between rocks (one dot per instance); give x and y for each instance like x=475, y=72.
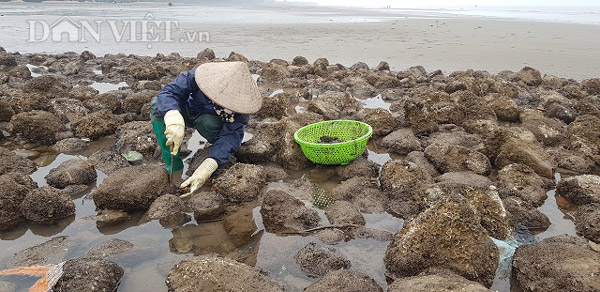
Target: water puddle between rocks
x=276, y=92
x=557, y=209
x=36, y=71
x=247, y=137
x=300, y=109
x=376, y=102
x=276, y=253
x=379, y=158
x=96, y=70
x=103, y=87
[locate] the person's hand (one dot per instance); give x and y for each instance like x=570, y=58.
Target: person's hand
x=200, y=176
x=174, y=130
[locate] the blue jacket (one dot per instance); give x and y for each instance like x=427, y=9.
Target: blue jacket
x=184, y=95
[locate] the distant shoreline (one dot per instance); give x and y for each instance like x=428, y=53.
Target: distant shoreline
x=343, y=35
x=589, y=15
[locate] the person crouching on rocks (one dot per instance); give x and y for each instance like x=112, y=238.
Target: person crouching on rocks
x=215, y=99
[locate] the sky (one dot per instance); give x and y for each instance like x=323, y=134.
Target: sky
x=450, y=3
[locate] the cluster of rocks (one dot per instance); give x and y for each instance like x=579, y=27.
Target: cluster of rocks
x=60, y=105
x=21, y=200
x=584, y=191
x=473, y=155
x=95, y=271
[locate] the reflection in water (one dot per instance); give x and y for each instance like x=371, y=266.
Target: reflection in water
x=379, y=158
x=133, y=220
x=201, y=239
x=36, y=71
x=52, y=229
x=148, y=277
x=247, y=137
x=384, y=221
x=14, y=233
x=212, y=237
x=58, y=226
x=248, y=253
x=276, y=92
x=97, y=70
x=234, y=236
x=41, y=172
x=300, y=109
x=195, y=143
x=276, y=254
x=557, y=209
x=376, y=102
x=106, y=87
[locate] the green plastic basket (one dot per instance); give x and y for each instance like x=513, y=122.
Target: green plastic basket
x=354, y=135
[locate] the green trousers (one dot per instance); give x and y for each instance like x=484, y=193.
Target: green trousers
x=208, y=125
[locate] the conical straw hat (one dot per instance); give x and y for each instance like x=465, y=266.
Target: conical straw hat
x=230, y=85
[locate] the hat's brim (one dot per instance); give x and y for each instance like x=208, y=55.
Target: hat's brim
x=230, y=85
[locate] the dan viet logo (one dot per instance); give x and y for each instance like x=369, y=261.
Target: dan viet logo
x=147, y=30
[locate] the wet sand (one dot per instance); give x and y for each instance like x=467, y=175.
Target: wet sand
x=433, y=39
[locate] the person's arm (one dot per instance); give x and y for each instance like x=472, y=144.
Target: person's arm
x=176, y=93
x=229, y=139
x=170, y=100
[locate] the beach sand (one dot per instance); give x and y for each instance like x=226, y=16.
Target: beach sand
x=450, y=44
x=435, y=40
